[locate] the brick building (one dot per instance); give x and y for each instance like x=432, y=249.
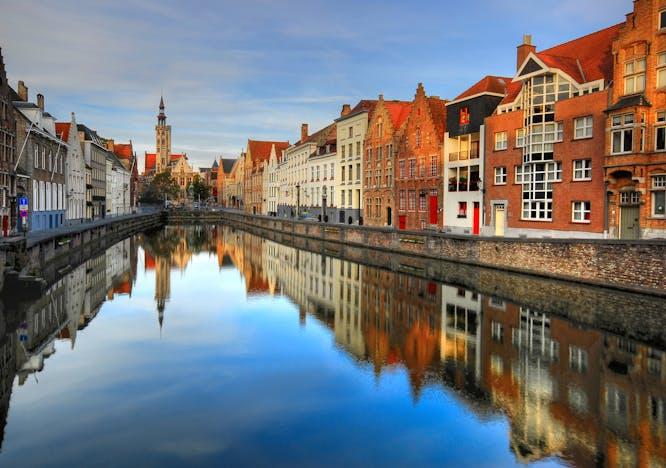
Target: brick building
x=382, y=137
x=545, y=156
x=8, y=207
x=258, y=153
x=419, y=180
x=636, y=143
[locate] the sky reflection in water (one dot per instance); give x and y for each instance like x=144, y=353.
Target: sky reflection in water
x=241, y=374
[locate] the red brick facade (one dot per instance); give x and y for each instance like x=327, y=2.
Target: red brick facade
x=419, y=158
x=381, y=140
x=636, y=173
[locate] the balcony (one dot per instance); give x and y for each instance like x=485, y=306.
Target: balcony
x=463, y=155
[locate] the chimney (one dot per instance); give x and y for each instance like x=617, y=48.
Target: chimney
x=346, y=110
x=381, y=97
x=40, y=101
x=524, y=50
x=110, y=144
x=22, y=91
x=304, y=131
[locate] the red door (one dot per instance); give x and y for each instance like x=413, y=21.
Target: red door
x=432, y=205
x=477, y=219
x=402, y=222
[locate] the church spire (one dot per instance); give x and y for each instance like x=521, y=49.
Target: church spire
x=161, y=118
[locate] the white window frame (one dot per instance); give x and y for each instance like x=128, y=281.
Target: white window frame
x=500, y=176
x=501, y=141
x=661, y=70
x=622, y=124
x=658, y=186
x=582, y=169
x=634, y=76
x=519, y=177
x=579, y=209
x=583, y=127
x=520, y=137
x=660, y=127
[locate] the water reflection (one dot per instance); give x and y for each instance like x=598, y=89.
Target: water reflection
x=578, y=393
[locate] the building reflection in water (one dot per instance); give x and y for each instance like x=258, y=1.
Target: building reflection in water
x=590, y=397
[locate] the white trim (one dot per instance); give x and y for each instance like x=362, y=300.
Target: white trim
x=484, y=93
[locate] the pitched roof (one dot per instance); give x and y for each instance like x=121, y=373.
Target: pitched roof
x=227, y=165
x=62, y=130
x=364, y=105
x=588, y=58
x=261, y=150
x=398, y=111
x=150, y=162
x=123, y=150
x=176, y=156
x=438, y=112
x=487, y=84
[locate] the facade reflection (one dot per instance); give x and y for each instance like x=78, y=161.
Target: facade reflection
x=579, y=393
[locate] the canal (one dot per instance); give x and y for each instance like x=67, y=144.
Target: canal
x=207, y=346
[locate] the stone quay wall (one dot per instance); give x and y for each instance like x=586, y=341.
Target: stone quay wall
x=636, y=266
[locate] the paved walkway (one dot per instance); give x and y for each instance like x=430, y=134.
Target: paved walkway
x=39, y=236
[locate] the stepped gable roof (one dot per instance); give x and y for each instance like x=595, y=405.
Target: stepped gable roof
x=437, y=108
x=62, y=130
x=228, y=165
x=150, y=162
x=487, y=84
x=398, y=111
x=261, y=150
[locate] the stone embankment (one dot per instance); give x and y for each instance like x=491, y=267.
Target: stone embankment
x=634, y=266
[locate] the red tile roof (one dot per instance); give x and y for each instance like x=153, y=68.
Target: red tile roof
x=512, y=92
x=487, y=84
x=593, y=52
x=62, y=130
x=175, y=157
x=364, y=105
x=261, y=150
x=123, y=150
x=399, y=111
x=438, y=112
x=150, y=162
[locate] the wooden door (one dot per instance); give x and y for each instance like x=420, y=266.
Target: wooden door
x=389, y=216
x=432, y=205
x=402, y=222
x=499, y=220
x=629, y=222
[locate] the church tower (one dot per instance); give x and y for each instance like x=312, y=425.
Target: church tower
x=162, y=285
x=163, y=137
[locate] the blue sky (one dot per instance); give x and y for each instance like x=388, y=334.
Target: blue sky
x=235, y=70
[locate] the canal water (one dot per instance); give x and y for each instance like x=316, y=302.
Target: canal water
x=208, y=346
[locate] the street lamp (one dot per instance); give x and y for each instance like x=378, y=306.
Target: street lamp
x=298, y=201
x=324, y=193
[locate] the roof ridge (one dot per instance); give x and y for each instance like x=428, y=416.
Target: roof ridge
x=581, y=37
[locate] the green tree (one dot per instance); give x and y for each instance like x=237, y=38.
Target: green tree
x=199, y=189
x=162, y=185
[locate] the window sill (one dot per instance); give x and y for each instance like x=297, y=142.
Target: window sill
x=622, y=154
x=582, y=138
x=580, y=222
x=537, y=220
x=581, y=180
x=499, y=184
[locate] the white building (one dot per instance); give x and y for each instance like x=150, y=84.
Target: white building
x=293, y=177
x=117, y=187
x=75, y=172
x=351, y=129
x=272, y=183
x=321, y=175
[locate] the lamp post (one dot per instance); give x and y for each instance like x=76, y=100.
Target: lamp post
x=324, y=193
x=298, y=201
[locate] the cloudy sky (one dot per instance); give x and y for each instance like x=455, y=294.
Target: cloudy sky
x=233, y=70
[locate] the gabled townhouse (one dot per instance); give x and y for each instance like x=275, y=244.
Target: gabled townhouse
x=464, y=145
x=419, y=179
x=223, y=180
x=258, y=153
x=544, y=174
x=127, y=156
x=293, y=177
x=635, y=164
x=272, y=183
x=94, y=152
x=320, y=171
x=8, y=204
x=350, y=137
x=75, y=172
x=40, y=164
x=382, y=138
x=117, y=195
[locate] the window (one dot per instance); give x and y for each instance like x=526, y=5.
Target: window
x=412, y=168
x=412, y=200
x=659, y=195
x=622, y=133
x=501, y=142
x=660, y=132
x=368, y=154
x=379, y=153
x=343, y=173
x=661, y=70
x=342, y=198
x=342, y=154
x=580, y=212
x=662, y=19
x=583, y=127
x=402, y=200
x=349, y=198
x=417, y=137
x=538, y=189
x=36, y=157
x=500, y=176
x=358, y=172
x=401, y=169
x=634, y=76
x=519, y=175
x=520, y=138
x=422, y=201
x=462, y=209
x=433, y=166
x=358, y=148
x=582, y=169
x=351, y=134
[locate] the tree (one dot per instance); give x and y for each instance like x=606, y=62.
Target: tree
x=161, y=186
x=199, y=189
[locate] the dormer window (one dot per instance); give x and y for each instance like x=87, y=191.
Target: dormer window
x=634, y=76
